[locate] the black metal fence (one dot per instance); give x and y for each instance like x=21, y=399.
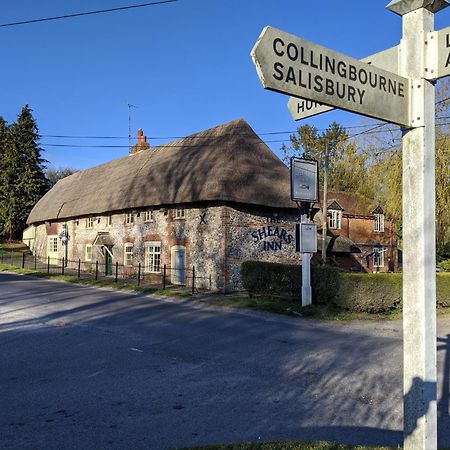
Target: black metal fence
x=168, y=277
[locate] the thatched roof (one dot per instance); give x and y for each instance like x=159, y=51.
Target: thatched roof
x=228, y=163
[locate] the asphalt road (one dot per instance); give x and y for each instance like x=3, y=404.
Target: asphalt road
x=86, y=368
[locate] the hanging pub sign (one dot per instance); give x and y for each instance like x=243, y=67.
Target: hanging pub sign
x=304, y=180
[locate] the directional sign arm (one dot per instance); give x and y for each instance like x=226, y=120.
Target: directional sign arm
x=301, y=108
x=293, y=66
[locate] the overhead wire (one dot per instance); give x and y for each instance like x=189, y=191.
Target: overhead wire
x=87, y=13
x=373, y=130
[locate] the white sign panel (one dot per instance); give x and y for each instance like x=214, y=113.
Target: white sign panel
x=304, y=180
x=294, y=66
x=308, y=238
x=301, y=109
x=443, y=39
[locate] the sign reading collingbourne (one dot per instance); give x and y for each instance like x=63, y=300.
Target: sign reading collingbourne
x=293, y=66
x=301, y=108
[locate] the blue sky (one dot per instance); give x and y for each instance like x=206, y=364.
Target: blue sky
x=185, y=65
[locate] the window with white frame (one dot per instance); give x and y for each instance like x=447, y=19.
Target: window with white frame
x=179, y=213
x=378, y=224
x=89, y=222
x=129, y=218
x=335, y=219
x=153, y=257
x=109, y=220
x=148, y=216
x=88, y=252
x=378, y=257
x=128, y=254
x=53, y=244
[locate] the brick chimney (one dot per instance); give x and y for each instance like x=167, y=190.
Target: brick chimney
x=141, y=143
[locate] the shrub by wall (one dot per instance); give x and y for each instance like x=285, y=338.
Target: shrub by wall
x=372, y=293
x=262, y=278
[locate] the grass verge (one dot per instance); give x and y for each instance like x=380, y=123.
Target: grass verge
x=287, y=446
x=315, y=311
x=122, y=285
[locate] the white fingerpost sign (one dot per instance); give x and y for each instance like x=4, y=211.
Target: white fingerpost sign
x=293, y=66
x=288, y=64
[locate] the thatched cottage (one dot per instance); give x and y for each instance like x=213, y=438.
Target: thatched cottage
x=210, y=200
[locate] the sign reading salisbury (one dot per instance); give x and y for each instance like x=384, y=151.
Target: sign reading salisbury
x=301, y=108
x=293, y=66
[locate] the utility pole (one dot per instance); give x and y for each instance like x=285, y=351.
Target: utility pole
x=325, y=206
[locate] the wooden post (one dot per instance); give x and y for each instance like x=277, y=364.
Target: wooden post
x=35, y=262
x=139, y=275
x=164, y=276
x=48, y=264
x=193, y=280
x=62, y=266
x=23, y=260
x=117, y=269
x=79, y=267
x=96, y=270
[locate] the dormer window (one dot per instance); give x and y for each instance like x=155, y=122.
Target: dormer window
x=179, y=213
x=335, y=219
x=148, y=217
x=335, y=216
x=378, y=220
x=129, y=218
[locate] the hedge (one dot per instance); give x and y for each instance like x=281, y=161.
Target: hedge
x=373, y=293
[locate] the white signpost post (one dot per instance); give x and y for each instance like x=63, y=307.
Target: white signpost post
x=293, y=66
x=305, y=189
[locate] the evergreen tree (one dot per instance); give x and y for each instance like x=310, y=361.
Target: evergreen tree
x=22, y=179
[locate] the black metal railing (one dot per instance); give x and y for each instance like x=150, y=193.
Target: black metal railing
x=164, y=277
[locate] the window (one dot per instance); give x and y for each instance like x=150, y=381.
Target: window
x=128, y=255
x=378, y=257
x=179, y=213
x=53, y=244
x=109, y=220
x=129, y=218
x=89, y=222
x=153, y=257
x=378, y=224
x=148, y=217
x=88, y=252
x=335, y=219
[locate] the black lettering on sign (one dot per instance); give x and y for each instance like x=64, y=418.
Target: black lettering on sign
x=278, y=69
x=275, y=48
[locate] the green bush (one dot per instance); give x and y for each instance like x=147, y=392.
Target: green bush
x=372, y=293
x=443, y=289
x=444, y=265
x=262, y=278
